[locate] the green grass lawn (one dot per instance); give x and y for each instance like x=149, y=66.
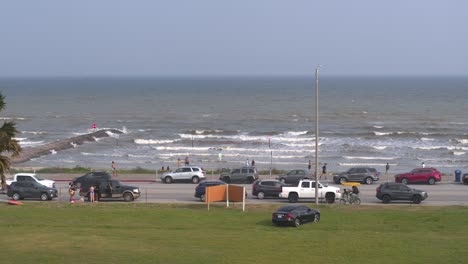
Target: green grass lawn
x=42, y=232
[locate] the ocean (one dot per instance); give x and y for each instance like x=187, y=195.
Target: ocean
x=221, y=122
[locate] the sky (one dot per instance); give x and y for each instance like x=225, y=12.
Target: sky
x=50, y=38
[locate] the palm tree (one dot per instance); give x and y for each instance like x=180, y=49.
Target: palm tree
x=9, y=146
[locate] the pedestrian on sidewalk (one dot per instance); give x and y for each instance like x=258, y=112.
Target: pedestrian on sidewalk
x=114, y=169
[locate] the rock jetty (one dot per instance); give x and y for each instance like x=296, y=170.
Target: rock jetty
x=35, y=152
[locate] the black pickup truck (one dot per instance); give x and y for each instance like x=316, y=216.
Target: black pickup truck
x=105, y=187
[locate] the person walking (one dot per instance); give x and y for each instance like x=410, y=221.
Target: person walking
x=220, y=156
x=324, y=171
x=423, y=165
x=253, y=163
x=247, y=163
x=187, y=162
x=310, y=165
x=114, y=169
x=179, y=162
x=387, y=168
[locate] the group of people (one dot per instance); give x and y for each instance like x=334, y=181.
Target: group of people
x=186, y=162
x=250, y=163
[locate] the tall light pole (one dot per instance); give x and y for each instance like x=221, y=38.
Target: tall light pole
x=316, y=133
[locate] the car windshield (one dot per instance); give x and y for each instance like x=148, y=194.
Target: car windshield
x=39, y=178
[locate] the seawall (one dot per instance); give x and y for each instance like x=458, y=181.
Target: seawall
x=35, y=152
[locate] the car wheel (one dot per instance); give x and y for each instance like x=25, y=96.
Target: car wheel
x=431, y=181
x=203, y=198
x=297, y=222
x=44, y=197
x=195, y=179
x=168, y=179
x=343, y=180
x=16, y=196
x=386, y=199
x=260, y=195
x=293, y=197
x=369, y=180
x=404, y=181
x=330, y=197
x=250, y=180
x=416, y=199
x=128, y=197
x=317, y=218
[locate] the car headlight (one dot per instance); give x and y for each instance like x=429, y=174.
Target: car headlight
x=136, y=190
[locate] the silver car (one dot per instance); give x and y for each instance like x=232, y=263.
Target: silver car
x=194, y=174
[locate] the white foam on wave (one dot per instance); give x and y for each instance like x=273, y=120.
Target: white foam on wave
x=53, y=152
x=12, y=118
x=74, y=145
x=427, y=139
x=378, y=127
x=19, y=139
x=31, y=143
x=249, y=138
x=379, y=147
x=139, y=156
x=382, y=133
x=295, y=133
x=152, y=141
x=462, y=141
x=34, y=132
x=370, y=158
x=101, y=154
x=458, y=153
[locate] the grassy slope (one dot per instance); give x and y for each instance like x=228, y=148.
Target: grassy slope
x=154, y=233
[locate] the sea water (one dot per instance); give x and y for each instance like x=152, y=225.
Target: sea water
x=222, y=122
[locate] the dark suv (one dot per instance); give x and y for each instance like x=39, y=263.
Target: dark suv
x=200, y=190
x=294, y=176
x=358, y=174
x=105, y=186
x=29, y=189
x=264, y=188
x=244, y=174
x=389, y=191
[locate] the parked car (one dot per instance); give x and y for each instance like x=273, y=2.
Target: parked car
x=31, y=177
x=305, y=189
x=464, y=178
x=421, y=175
x=200, y=190
x=357, y=174
x=266, y=188
x=294, y=176
x=295, y=215
x=193, y=174
x=241, y=175
x=30, y=189
x=105, y=187
x=389, y=191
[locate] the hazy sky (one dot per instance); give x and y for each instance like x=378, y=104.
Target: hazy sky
x=236, y=37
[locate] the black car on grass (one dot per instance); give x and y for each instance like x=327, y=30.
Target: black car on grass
x=295, y=215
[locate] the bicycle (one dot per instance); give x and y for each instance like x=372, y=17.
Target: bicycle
x=350, y=198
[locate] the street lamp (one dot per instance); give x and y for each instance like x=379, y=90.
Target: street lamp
x=316, y=133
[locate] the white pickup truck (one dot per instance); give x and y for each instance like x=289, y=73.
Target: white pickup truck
x=31, y=177
x=305, y=189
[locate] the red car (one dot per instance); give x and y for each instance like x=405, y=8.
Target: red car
x=429, y=175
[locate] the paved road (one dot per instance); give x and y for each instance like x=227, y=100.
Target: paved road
x=445, y=193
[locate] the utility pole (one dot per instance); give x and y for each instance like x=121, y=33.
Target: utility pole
x=316, y=134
